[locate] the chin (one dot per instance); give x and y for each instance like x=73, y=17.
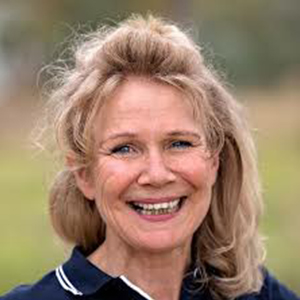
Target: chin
x=160, y=242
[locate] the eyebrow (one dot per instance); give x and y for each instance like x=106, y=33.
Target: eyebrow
x=117, y=135
x=129, y=134
x=185, y=132
x=114, y=136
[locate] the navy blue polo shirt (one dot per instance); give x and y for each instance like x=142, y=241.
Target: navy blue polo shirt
x=79, y=279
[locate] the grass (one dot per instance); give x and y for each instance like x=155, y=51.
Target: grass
x=29, y=250
x=281, y=222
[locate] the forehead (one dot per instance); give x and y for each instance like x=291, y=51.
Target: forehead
x=140, y=100
x=142, y=92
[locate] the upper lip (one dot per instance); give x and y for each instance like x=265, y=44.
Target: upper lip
x=156, y=200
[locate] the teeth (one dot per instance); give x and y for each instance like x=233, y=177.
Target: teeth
x=164, y=205
x=157, y=208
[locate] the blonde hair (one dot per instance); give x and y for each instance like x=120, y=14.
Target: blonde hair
x=227, y=247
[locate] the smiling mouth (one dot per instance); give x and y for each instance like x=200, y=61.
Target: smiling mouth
x=161, y=208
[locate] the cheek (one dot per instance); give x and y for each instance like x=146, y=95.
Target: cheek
x=112, y=179
x=197, y=170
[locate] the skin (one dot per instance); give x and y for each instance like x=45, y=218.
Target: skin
x=149, y=148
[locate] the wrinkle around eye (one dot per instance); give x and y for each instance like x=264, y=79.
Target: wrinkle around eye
x=124, y=151
x=181, y=144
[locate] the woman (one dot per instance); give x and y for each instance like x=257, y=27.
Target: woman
x=159, y=192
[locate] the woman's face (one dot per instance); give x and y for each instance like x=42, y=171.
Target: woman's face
x=152, y=177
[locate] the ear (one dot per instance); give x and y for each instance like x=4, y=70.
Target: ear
x=215, y=163
x=83, y=179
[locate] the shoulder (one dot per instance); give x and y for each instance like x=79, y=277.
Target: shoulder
x=272, y=289
x=43, y=289
x=76, y=277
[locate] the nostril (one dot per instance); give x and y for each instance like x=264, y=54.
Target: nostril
x=156, y=171
x=156, y=176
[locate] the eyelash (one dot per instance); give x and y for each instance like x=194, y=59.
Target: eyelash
x=120, y=150
x=181, y=144
x=128, y=149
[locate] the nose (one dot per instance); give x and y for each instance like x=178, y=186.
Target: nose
x=156, y=171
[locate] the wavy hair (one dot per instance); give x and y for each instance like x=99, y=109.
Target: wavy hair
x=227, y=247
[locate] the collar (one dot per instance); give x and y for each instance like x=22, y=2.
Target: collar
x=79, y=276
x=82, y=278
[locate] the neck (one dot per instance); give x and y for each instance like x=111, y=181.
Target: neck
x=158, y=274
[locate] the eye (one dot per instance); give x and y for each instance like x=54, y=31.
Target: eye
x=181, y=144
x=123, y=150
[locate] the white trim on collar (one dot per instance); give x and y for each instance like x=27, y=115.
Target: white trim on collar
x=136, y=288
x=65, y=282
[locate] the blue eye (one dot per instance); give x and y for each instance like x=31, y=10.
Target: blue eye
x=124, y=149
x=181, y=144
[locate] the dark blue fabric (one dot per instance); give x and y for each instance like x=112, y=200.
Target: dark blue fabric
x=96, y=285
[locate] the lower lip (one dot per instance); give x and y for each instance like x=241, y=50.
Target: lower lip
x=158, y=218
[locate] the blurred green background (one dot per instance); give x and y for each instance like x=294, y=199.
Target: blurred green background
x=255, y=42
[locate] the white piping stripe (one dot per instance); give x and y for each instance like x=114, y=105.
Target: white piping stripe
x=64, y=286
x=60, y=268
x=136, y=288
x=65, y=283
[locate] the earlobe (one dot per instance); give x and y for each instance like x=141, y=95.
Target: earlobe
x=84, y=183
x=215, y=167
x=216, y=162
x=83, y=179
